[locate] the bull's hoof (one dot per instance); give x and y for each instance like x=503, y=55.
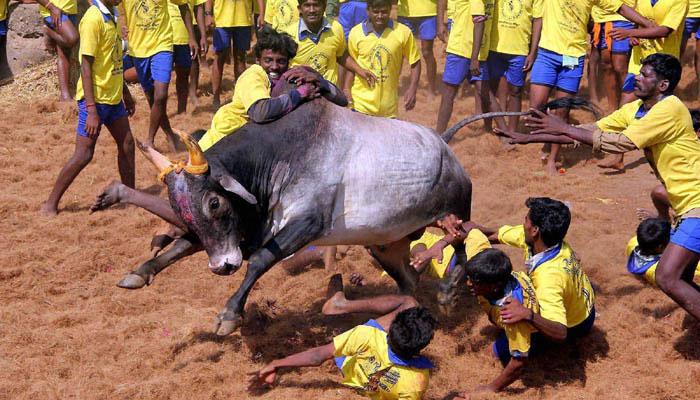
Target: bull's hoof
x=134, y=281
x=224, y=327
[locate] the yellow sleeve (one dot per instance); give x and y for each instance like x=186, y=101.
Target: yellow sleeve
x=477, y=7
x=410, y=50
x=611, y=6
x=537, y=9
x=675, y=17
x=512, y=236
x=179, y=2
x=352, y=44
x=252, y=87
x=350, y=342
x=518, y=336
x=270, y=8
x=650, y=274
x=340, y=37
x=550, y=295
x=90, y=33
x=631, y=246
x=476, y=242
x=654, y=127
x=620, y=119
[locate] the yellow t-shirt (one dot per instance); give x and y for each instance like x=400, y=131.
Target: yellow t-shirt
x=672, y=148
x=511, y=29
x=563, y=290
x=368, y=365
x=450, y=9
x=100, y=39
x=383, y=56
x=639, y=263
x=476, y=242
x=520, y=287
x=600, y=15
x=232, y=13
x=3, y=9
x=251, y=86
x=281, y=14
x=149, y=26
x=67, y=6
x=564, y=24
x=180, y=34
x=417, y=8
x=322, y=56
x=694, y=8
x=669, y=13
x=462, y=33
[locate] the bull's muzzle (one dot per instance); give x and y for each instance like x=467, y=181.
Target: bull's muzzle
x=224, y=269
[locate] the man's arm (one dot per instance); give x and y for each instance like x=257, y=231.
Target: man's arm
x=261, y=18
x=510, y=374
x=187, y=18
x=209, y=14
x=479, y=22
x=633, y=16
x=308, y=358
x=441, y=24
x=54, y=11
x=202, y=26
x=332, y=93
x=654, y=32
x=351, y=65
x=93, y=120
x=513, y=312
x=129, y=102
x=271, y=109
x=534, y=43
x=409, y=99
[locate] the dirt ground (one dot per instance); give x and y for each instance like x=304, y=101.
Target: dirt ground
x=67, y=331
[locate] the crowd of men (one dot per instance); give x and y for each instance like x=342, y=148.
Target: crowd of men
x=352, y=53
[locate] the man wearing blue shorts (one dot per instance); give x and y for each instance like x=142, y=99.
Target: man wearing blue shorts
x=103, y=99
x=421, y=17
x=61, y=30
x=350, y=13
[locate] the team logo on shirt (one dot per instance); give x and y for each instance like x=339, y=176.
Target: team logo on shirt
x=117, y=60
x=379, y=62
x=319, y=62
x=284, y=15
x=511, y=9
x=147, y=12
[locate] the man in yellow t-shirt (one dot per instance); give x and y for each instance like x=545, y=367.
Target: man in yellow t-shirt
x=185, y=49
x=321, y=42
x=103, y=98
x=233, y=20
x=421, y=17
x=381, y=358
x=560, y=57
x=515, y=34
x=61, y=29
x=378, y=45
x=467, y=52
x=281, y=14
x=661, y=125
x=251, y=96
x=644, y=250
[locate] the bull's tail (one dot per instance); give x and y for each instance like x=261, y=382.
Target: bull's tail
x=576, y=103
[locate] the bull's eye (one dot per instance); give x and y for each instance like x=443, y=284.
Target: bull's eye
x=214, y=204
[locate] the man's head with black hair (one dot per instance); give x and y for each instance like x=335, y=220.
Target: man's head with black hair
x=653, y=235
x=312, y=12
x=411, y=331
x=548, y=220
x=659, y=75
x=488, y=273
x=273, y=51
x=379, y=13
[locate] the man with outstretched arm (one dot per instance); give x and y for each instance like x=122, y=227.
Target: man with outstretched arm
x=660, y=125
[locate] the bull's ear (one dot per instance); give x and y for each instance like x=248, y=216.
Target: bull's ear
x=233, y=186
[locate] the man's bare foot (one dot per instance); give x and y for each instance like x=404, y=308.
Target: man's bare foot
x=48, y=210
x=643, y=213
x=614, y=162
x=194, y=102
x=111, y=195
x=505, y=144
x=357, y=279
x=336, y=298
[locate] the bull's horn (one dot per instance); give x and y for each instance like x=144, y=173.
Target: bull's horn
x=197, y=163
x=160, y=161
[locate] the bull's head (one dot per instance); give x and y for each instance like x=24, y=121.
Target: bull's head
x=204, y=203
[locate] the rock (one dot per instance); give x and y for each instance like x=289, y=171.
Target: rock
x=25, y=40
x=25, y=21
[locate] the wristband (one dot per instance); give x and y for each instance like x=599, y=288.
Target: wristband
x=209, y=13
x=90, y=105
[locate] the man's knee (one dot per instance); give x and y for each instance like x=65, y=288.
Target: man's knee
x=127, y=145
x=160, y=94
x=515, y=91
x=427, y=50
x=84, y=156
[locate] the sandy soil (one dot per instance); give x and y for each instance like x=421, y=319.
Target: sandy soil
x=68, y=332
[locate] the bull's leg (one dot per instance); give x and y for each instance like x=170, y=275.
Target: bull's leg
x=290, y=239
x=117, y=192
x=144, y=274
x=449, y=286
x=394, y=259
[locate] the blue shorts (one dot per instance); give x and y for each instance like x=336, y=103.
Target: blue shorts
x=507, y=65
x=549, y=70
x=240, y=35
x=457, y=70
x=350, y=14
x=64, y=17
x=449, y=25
x=423, y=27
x=3, y=27
x=539, y=342
x=628, y=85
x=181, y=55
x=157, y=67
x=107, y=113
x=692, y=25
x=687, y=234
x=601, y=37
x=127, y=62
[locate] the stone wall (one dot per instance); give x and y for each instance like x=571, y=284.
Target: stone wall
x=25, y=40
